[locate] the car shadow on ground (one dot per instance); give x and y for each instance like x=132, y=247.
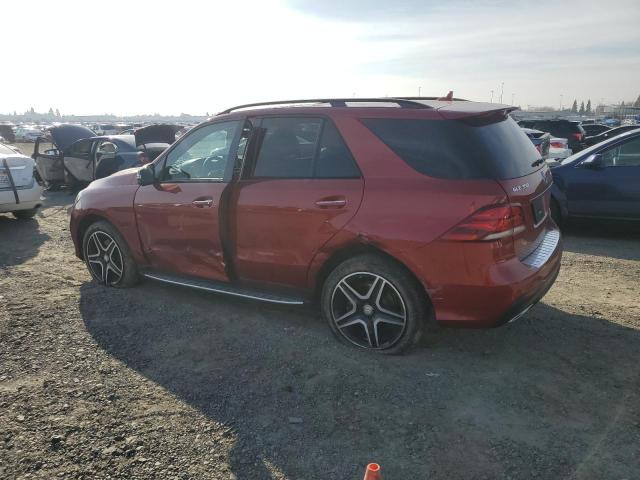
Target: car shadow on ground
x=25, y=239
x=593, y=237
x=525, y=400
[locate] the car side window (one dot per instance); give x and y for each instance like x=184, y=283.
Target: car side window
x=288, y=147
x=80, y=149
x=202, y=154
x=334, y=159
x=296, y=147
x=625, y=155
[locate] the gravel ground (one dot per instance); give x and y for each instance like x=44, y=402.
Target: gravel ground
x=162, y=382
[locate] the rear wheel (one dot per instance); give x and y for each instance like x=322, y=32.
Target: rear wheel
x=373, y=303
x=108, y=257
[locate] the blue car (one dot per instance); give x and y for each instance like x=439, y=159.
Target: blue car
x=602, y=181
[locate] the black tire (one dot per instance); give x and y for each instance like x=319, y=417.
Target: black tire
x=556, y=212
x=399, y=290
x=25, y=214
x=107, y=273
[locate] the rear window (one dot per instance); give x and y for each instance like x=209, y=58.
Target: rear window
x=453, y=149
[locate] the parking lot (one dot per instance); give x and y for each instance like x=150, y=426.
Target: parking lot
x=161, y=382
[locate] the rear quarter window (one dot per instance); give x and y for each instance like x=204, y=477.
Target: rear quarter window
x=453, y=149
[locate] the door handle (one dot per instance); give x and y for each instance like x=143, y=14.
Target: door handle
x=202, y=203
x=338, y=202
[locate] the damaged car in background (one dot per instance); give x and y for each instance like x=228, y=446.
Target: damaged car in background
x=88, y=157
x=20, y=192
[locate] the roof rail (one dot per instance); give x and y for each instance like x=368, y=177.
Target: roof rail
x=336, y=102
x=453, y=99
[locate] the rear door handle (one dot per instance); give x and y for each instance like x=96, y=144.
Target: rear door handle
x=335, y=202
x=202, y=203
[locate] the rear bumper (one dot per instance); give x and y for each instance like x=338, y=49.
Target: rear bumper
x=28, y=198
x=495, y=294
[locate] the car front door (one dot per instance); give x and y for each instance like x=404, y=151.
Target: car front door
x=78, y=160
x=611, y=191
x=179, y=216
x=296, y=192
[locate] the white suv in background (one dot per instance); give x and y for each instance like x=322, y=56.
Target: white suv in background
x=20, y=192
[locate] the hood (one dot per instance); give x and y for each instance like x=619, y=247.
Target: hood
x=156, y=134
x=64, y=135
x=119, y=178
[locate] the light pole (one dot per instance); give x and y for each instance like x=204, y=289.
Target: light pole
x=491, y=101
x=501, y=91
x=513, y=95
x=561, y=101
x=419, y=90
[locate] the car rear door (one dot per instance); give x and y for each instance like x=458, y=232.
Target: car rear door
x=179, y=217
x=297, y=190
x=78, y=160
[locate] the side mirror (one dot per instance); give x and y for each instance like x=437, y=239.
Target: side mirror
x=147, y=175
x=594, y=162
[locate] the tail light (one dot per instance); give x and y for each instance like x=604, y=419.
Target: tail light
x=489, y=223
x=577, y=136
x=143, y=158
x=558, y=144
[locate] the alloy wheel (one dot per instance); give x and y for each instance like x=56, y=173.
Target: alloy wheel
x=104, y=258
x=368, y=310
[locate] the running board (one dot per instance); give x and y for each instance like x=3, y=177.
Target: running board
x=220, y=287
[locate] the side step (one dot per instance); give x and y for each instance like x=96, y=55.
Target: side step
x=220, y=287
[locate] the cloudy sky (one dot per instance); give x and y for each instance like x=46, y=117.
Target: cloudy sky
x=128, y=57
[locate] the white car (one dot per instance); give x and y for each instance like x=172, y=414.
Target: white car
x=558, y=150
x=27, y=134
x=20, y=192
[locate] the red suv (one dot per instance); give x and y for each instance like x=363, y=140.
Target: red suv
x=392, y=213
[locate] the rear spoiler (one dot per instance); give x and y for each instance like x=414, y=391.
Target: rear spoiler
x=475, y=110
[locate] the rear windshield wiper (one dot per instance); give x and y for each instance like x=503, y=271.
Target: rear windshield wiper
x=539, y=161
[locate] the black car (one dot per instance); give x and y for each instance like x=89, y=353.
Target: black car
x=602, y=181
x=569, y=129
x=592, y=129
x=613, y=132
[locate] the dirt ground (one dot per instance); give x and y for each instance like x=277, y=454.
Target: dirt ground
x=162, y=382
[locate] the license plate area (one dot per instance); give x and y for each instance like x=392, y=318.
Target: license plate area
x=4, y=180
x=539, y=210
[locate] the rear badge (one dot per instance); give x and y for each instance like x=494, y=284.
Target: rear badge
x=519, y=188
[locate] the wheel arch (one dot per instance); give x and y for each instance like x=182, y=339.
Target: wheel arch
x=84, y=224
x=348, y=251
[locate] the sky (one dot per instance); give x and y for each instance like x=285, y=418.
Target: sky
x=169, y=57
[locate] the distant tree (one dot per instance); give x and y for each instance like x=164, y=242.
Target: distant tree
x=50, y=112
x=581, y=108
x=15, y=113
x=574, y=108
x=637, y=102
x=588, y=107
x=32, y=110
x=58, y=113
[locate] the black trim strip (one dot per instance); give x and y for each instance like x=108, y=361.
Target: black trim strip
x=11, y=182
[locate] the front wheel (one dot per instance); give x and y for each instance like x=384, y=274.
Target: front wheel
x=373, y=303
x=108, y=257
x=25, y=214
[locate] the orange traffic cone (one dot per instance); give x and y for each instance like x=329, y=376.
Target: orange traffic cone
x=372, y=472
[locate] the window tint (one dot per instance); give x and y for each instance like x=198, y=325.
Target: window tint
x=458, y=150
x=288, y=147
x=202, y=154
x=625, y=155
x=334, y=158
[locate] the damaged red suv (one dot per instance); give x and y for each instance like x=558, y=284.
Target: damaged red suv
x=393, y=214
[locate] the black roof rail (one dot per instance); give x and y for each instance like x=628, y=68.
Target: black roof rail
x=334, y=102
x=434, y=98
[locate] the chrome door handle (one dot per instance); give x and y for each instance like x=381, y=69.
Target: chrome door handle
x=202, y=203
x=331, y=203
